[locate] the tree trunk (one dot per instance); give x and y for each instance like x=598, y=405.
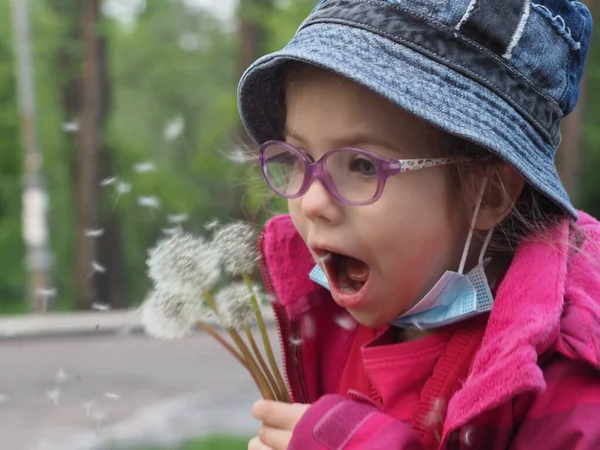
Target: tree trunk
x=110, y=286
x=88, y=156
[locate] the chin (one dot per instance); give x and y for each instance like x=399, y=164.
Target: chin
x=368, y=319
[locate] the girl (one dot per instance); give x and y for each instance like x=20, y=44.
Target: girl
x=455, y=298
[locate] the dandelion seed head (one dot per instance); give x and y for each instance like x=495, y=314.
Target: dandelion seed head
x=235, y=306
x=170, y=316
x=184, y=263
x=238, y=246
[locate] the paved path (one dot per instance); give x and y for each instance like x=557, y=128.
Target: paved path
x=90, y=392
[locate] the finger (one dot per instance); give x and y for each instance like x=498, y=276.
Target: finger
x=278, y=414
x=275, y=438
x=256, y=444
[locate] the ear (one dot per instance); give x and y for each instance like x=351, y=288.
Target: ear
x=504, y=188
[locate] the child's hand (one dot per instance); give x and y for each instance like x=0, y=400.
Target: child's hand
x=278, y=422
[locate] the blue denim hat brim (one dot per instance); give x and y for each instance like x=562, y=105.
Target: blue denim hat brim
x=414, y=82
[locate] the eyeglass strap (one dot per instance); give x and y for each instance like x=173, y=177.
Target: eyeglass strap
x=463, y=260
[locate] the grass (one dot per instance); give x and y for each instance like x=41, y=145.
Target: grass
x=211, y=443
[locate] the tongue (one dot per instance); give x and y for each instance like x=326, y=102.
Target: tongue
x=357, y=270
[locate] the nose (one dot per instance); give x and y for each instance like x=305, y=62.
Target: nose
x=318, y=204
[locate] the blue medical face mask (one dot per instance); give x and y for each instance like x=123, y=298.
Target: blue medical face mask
x=455, y=297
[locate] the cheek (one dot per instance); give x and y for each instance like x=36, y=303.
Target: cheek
x=298, y=218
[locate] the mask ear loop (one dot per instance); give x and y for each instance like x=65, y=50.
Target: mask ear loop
x=463, y=260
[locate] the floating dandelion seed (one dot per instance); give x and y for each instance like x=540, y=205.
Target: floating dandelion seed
x=149, y=202
x=101, y=307
x=467, y=436
x=322, y=259
x=99, y=418
x=123, y=188
x=177, y=218
x=174, y=128
x=70, y=127
x=54, y=395
x=61, y=376
x=271, y=298
x=346, y=322
x=97, y=268
x=94, y=233
x=309, y=326
x=88, y=407
x=145, y=167
x=170, y=316
x=212, y=224
x=238, y=245
x=171, y=231
x=436, y=415
x=235, y=306
x=108, y=181
x=46, y=293
x=296, y=342
x=112, y=396
x=184, y=264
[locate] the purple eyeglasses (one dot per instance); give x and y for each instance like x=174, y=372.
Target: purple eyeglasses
x=352, y=176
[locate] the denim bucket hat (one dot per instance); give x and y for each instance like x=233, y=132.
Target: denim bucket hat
x=500, y=73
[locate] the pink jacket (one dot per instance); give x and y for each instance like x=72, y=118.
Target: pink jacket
x=534, y=382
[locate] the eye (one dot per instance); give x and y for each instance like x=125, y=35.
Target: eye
x=363, y=166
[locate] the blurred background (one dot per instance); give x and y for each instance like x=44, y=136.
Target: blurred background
x=119, y=124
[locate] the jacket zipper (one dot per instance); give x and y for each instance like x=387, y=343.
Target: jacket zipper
x=280, y=319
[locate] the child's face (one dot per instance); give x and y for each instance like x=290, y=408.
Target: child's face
x=401, y=244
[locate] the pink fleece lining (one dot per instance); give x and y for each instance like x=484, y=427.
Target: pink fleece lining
x=525, y=319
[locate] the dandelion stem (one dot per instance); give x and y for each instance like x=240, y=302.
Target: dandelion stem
x=257, y=374
x=265, y=338
x=275, y=388
x=215, y=334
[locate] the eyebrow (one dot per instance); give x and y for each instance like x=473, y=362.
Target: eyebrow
x=349, y=140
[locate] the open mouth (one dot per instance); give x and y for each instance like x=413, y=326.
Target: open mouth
x=346, y=274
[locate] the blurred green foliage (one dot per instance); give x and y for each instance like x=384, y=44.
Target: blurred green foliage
x=173, y=67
